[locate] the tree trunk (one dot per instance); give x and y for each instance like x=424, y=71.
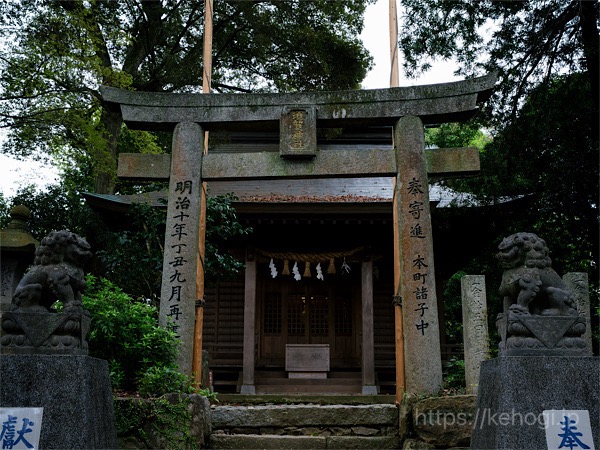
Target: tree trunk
x=589, y=34
x=106, y=165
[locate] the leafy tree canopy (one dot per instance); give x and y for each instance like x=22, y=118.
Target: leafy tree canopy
x=457, y=135
x=526, y=42
x=544, y=112
x=55, y=54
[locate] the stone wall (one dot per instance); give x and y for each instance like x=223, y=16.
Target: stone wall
x=437, y=422
x=172, y=421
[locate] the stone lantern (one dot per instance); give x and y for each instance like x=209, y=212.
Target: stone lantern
x=17, y=250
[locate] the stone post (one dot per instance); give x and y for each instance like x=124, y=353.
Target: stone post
x=178, y=290
x=475, y=329
x=423, y=361
x=577, y=283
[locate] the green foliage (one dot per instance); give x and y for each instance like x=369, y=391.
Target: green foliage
x=132, y=258
x=543, y=116
x=453, y=309
x=449, y=135
x=454, y=375
x=141, y=141
x=221, y=225
x=143, y=422
x=126, y=333
x=299, y=45
x=160, y=380
x=549, y=157
x=55, y=55
x=525, y=42
x=211, y=395
x=55, y=208
x=545, y=164
x=140, y=354
x=4, y=211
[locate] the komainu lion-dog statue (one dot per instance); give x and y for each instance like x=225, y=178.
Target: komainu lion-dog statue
x=539, y=314
x=32, y=324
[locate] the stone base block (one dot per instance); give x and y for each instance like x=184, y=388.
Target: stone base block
x=74, y=391
x=515, y=390
x=44, y=333
x=369, y=390
x=248, y=389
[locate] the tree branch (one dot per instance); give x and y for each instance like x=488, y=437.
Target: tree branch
x=146, y=34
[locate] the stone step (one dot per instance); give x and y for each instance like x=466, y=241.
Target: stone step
x=245, y=441
x=309, y=381
x=283, y=380
x=304, y=426
x=269, y=374
x=304, y=399
x=277, y=382
x=229, y=418
x=286, y=388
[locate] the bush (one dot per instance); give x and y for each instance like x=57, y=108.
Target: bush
x=454, y=375
x=125, y=332
x=160, y=380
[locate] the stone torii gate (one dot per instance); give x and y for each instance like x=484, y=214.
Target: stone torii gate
x=297, y=116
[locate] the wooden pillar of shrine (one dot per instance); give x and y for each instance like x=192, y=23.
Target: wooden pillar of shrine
x=368, y=341
x=248, y=361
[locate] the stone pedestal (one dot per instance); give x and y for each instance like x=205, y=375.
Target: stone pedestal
x=28, y=333
x=74, y=391
x=515, y=390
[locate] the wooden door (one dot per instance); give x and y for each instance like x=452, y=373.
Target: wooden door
x=309, y=311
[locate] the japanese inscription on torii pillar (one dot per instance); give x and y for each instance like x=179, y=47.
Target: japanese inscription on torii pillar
x=297, y=116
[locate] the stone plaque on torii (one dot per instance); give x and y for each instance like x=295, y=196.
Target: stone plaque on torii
x=297, y=116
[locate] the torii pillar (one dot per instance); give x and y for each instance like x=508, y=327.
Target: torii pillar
x=180, y=261
x=415, y=266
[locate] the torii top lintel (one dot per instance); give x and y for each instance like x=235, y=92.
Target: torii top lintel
x=434, y=104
